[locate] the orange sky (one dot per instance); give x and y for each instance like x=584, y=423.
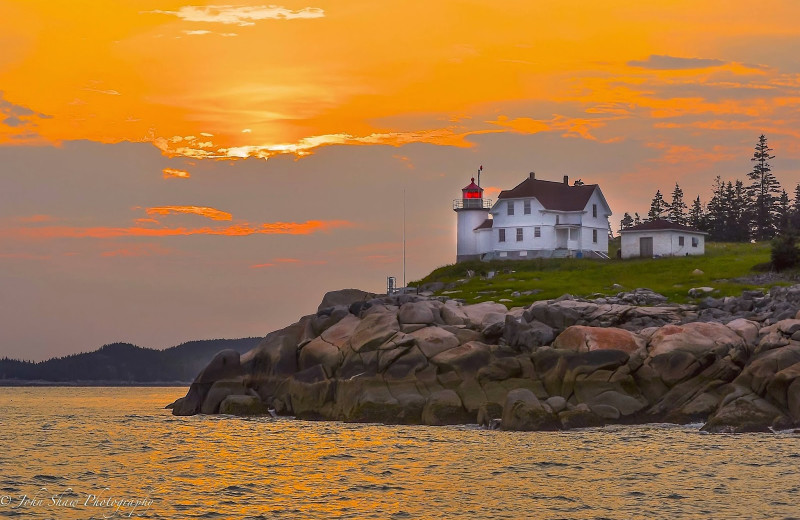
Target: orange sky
x=126, y=128
x=246, y=79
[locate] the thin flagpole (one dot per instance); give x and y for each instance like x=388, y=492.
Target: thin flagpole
x=404, y=238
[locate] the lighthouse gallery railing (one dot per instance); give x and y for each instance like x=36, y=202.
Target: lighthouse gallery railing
x=472, y=204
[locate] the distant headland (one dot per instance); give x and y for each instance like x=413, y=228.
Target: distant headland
x=121, y=364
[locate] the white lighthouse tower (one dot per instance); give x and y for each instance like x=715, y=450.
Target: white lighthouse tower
x=472, y=210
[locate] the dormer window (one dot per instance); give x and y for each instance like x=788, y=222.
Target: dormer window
x=526, y=207
x=510, y=208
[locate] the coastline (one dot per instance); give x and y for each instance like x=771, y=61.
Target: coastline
x=7, y=383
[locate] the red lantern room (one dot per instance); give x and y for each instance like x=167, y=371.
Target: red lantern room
x=472, y=197
x=473, y=191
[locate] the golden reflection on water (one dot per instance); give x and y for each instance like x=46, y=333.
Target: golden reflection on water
x=90, y=439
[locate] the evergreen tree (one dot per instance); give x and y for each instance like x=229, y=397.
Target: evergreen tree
x=636, y=219
x=738, y=223
x=697, y=218
x=784, y=211
x=764, y=192
x=717, y=211
x=796, y=207
x=794, y=217
x=658, y=207
x=677, y=209
x=626, y=222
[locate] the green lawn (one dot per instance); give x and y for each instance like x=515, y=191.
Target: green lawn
x=671, y=277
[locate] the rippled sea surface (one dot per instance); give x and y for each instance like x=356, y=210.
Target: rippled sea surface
x=80, y=453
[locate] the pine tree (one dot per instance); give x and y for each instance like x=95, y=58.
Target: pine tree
x=626, y=222
x=796, y=207
x=636, y=219
x=677, y=208
x=658, y=207
x=697, y=218
x=764, y=192
x=717, y=211
x=794, y=217
x=784, y=212
x=738, y=223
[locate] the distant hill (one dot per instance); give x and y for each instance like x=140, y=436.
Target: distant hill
x=124, y=363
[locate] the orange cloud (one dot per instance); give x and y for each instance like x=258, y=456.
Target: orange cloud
x=268, y=228
x=136, y=250
x=174, y=173
x=491, y=191
x=288, y=261
x=23, y=256
x=683, y=154
x=203, y=211
x=34, y=219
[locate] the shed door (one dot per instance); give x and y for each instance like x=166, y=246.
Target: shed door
x=646, y=247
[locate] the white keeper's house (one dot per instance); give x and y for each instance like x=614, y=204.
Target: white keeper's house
x=535, y=219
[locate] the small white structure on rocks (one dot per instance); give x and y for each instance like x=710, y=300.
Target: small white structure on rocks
x=661, y=238
x=535, y=219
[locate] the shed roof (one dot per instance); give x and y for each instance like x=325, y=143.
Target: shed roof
x=663, y=225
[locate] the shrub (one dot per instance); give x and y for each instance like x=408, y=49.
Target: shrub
x=785, y=253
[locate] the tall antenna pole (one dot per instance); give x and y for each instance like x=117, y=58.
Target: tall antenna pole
x=404, y=239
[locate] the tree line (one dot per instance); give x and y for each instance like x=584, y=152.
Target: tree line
x=738, y=211
x=123, y=362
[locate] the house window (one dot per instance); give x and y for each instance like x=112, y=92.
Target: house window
x=694, y=241
x=501, y=235
x=526, y=207
x=537, y=232
x=519, y=234
x=594, y=236
x=594, y=212
x=680, y=241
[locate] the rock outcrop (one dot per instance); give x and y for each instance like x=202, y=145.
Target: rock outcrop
x=733, y=363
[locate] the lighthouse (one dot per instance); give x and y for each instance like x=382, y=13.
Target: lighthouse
x=472, y=211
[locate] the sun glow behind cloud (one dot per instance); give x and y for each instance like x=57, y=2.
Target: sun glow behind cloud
x=241, y=15
x=382, y=75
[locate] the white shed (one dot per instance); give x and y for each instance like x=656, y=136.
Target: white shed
x=661, y=238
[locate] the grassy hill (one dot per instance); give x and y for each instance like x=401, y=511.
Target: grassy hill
x=726, y=267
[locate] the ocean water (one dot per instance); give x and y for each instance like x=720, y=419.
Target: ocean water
x=81, y=453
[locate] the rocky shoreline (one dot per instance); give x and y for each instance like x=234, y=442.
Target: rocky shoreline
x=732, y=363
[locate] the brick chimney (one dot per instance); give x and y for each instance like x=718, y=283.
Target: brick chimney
x=566, y=180
x=533, y=175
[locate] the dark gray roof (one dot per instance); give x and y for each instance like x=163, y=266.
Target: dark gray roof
x=558, y=196
x=486, y=224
